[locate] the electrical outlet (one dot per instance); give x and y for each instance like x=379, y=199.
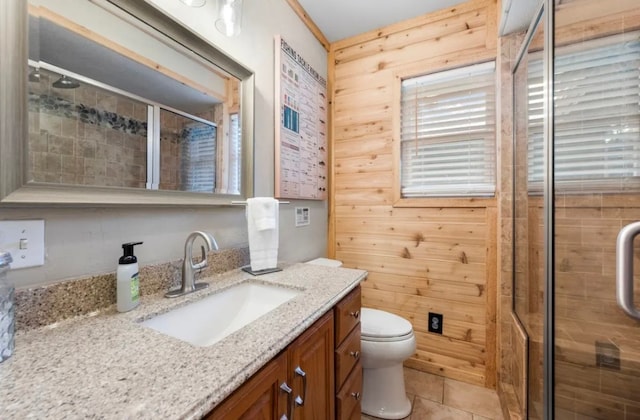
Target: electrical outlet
x=435, y=322
x=303, y=216
x=24, y=239
x=607, y=355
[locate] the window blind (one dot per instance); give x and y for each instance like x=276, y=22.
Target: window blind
x=199, y=157
x=235, y=154
x=597, y=116
x=447, y=133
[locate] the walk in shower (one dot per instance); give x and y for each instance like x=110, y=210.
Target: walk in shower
x=576, y=184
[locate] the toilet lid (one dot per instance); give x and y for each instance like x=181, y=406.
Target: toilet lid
x=381, y=324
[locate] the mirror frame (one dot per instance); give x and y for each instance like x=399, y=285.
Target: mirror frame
x=14, y=191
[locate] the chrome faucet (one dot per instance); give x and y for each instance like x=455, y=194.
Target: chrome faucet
x=189, y=284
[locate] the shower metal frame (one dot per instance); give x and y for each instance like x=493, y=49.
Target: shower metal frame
x=549, y=220
x=545, y=15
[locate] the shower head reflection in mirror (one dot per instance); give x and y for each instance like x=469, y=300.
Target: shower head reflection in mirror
x=119, y=109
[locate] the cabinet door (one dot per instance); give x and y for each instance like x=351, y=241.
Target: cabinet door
x=312, y=353
x=260, y=398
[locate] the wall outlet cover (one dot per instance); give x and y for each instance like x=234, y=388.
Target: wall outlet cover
x=435, y=322
x=303, y=216
x=24, y=239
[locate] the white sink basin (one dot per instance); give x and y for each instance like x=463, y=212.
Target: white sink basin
x=209, y=320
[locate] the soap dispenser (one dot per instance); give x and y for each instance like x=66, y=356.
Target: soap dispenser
x=128, y=283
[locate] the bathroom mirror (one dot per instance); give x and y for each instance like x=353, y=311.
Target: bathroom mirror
x=126, y=106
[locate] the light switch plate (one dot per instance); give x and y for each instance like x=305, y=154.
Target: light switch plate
x=303, y=216
x=24, y=239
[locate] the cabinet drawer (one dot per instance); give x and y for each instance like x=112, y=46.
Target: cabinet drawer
x=347, y=355
x=348, y=399
x=347, y=314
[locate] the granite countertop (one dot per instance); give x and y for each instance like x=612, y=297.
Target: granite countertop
x=106, y=365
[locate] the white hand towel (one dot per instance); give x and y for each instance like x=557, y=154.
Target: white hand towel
x=262, y=226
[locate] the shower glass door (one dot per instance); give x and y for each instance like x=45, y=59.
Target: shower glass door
x=596, y=144
x=570, y=205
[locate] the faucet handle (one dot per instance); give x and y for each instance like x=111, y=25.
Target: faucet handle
x=203, y=263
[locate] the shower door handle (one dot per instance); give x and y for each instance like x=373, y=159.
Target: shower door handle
x=624, y=269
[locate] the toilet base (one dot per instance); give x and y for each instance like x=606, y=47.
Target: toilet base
x=383, y=393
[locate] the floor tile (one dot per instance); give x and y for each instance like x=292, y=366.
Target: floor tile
x=424, y=385
x=431, y=410
x=472, y=398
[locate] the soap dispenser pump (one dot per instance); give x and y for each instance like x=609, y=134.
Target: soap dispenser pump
x=128, y=282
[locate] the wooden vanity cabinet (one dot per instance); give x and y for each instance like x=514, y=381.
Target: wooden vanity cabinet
x=312, y=354
x=327, y=355
x=347, y=355
x=307, y=361
x=260, y=397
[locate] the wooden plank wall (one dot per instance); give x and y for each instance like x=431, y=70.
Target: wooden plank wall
x=441, y=256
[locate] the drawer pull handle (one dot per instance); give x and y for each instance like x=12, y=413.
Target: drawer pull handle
x=286, y=388
x=355, y=314
x=298, y=371
x=356, y=395
x=354, y=354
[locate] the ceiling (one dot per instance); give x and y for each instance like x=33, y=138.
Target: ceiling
x=57, y=46
x=339, y=19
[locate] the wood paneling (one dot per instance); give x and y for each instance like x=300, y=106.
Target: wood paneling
x=430, y=255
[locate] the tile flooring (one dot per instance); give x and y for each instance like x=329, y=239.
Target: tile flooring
x=437, y=398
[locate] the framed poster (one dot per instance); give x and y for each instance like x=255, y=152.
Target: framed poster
x=301, y=126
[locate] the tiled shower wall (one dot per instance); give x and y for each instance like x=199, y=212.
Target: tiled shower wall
x=170, y=150
x=90, y=136
x=586, y=226
x=85, y=136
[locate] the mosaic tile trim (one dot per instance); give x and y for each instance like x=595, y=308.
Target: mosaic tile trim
x=62, y=107
x=40, y=306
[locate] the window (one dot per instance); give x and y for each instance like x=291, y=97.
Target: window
x=597, y=116
x=198, y=157
x=235, y=151
x=447, y=133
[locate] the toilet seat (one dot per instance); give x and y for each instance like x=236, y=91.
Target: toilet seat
x=379, y=325
x=386, y=339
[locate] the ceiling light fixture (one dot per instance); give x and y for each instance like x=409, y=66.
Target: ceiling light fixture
x=229, y=20
x=194, y=3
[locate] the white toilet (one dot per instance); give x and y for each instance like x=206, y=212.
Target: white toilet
x=387, y=341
